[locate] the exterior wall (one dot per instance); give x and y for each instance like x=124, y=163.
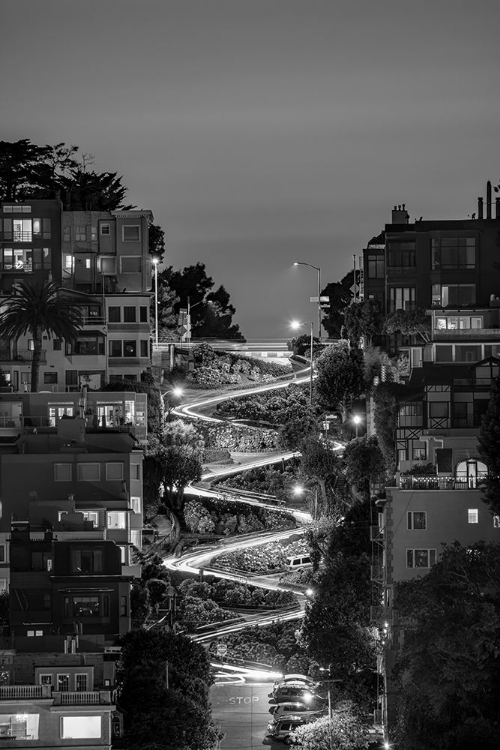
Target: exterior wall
x=447, y=514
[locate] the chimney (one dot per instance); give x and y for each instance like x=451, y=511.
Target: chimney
x=488, y=200
x=399, y=215
x=480, y=208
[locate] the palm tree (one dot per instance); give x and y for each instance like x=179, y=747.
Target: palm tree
x=37, y=309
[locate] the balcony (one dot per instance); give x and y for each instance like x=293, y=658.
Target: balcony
x=24, y=692
x=87, y=698
x=466, y=334
x=22, y=355
x=434, y=482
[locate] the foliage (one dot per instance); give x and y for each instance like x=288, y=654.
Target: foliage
x=409, y=323
x=266, y=558
x=298, y=429
x=224, y=518
x=167, y=317
x=237, y=437
x=339, y=298
x=211, y=311
x=385, y=415
x=363, y=320
x=156, y=241
x=35, y=310
x=320, y=463
x=420, y=469
x=264, y=480
x=180, y=712
x=448, y=672
x=345, y=730
x=340, y=378
x=302, y=345
x=364, y=462
x=489, y=448
x=272, y=407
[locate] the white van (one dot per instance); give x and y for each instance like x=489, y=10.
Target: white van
x=295, y=562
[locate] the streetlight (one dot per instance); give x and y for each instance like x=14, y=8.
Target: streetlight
x=357, y=421
x=296, y=324
x=177, y=392
x=300, y=263
x=155, y=263
x=298, y=491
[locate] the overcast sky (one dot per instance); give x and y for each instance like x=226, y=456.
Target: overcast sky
x=260, y=132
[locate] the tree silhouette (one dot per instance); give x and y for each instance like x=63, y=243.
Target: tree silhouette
x=37, y=309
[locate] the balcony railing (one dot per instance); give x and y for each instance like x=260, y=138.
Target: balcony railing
x=466, y=334
x=21, y=355
x=19, y=692
x=14, y=422
x=433, y=482
x=87, y=698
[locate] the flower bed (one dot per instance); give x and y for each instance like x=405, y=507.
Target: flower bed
x=225, y=518
x=268, y=558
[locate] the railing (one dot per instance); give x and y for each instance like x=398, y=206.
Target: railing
x=433, y=482
x=10, y=422
x=87, y=698
x=93, y=320
x=21, y=355
x=465, y=334
x=19, y=692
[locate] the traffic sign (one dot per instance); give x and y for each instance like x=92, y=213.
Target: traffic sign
x=221, y=649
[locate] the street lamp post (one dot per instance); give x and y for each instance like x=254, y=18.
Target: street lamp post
x=296, y=324
x=357, y=421
x=318, y=270
x=155, y=263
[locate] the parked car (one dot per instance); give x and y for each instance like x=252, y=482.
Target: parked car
x=282, y=710
x=293, y=693
x=282, y=729
x=297, y=678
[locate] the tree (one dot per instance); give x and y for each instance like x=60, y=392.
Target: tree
x=320, y=463
x=409, y=323
x=211, y=312
x=179, y=453
x=385, y=415
x=449, y=666
x=156, y=240
x=364, y=463
x=363, y=320
x=489, y=448
x=298, y=429
x=93, y=191
x=340, y=378
x=37, y=309
x=339, y=295
x=168, y=319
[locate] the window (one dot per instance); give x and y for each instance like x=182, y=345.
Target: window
x=50, y=378
x=115, y=348
x=114, y=471
x=63, y=683
x=144, y=348
x=47, y=231
x=469, y=353
x=57, y=411
x=496, y=522
x=80, y=727
x=420, y=558
x=81, y=683
x=108, y=265
x=82, y=606
x=131, y=264
x=453, y=295
x=143, y=314
x=93, y=234
x=419, y=454
x=417, y=519
x=114, y=314
x=444, y=460
x=117, y=520
x=129, y=314
x=401, y=298
x=376, y=266
x=88, y=472
x=123, y=606
x=69, y=263
x=129, y=348
x=22, y=230
x=473, y=515
x=90, y=515
x=136, y=538
x=3, y=555
x=131, y=233
x=123, y=554
x=3, y=584
x=71, y=377
x=80, y=234
x=135, y=471
x=56, y=345
x=86, y=561
x=135, y=504
x=401, y=254
x=67, y=234
x=105, y=228
x=63, y=472
x=438, y=409
x=454, y=252
x=45, y=679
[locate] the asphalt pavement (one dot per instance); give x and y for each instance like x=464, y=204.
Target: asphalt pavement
x=242, y=712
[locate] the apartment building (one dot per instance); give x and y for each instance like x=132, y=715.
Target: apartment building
x=102, y=261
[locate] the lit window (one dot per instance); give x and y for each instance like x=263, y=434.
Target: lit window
x=117, y=520
x=473, y=515
x=136, y=538
x=496, y=522
x=135, y=504
x=80, y=727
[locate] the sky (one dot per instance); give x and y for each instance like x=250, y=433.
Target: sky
x=263, y=132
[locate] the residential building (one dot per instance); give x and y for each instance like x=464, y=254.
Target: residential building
x=102, y=260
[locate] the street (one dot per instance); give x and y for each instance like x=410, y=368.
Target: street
x=242, y=711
